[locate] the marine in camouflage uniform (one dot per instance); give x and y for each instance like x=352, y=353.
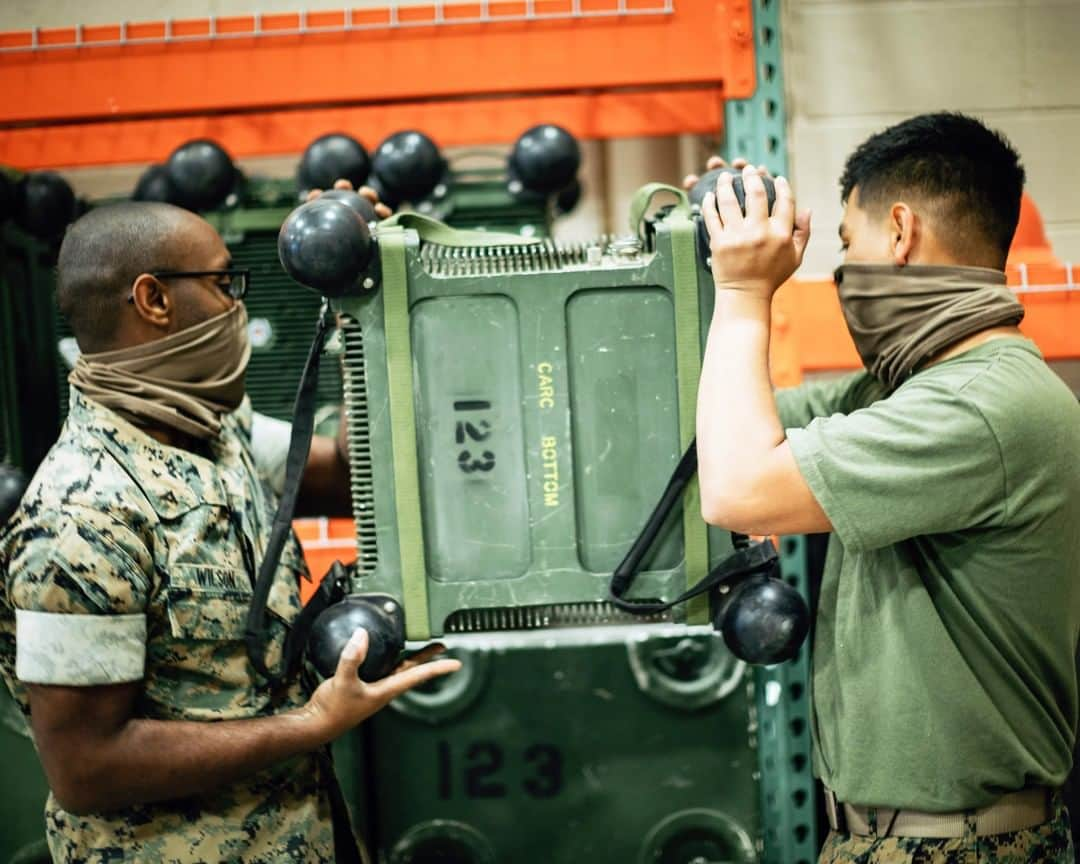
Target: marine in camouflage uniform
x=133, y=561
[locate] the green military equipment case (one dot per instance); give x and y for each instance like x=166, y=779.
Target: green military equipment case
x=514, y=414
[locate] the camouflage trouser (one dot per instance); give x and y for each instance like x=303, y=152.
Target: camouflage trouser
x=1049, y=843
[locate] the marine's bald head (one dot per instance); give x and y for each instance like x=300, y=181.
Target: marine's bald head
x=105, y=251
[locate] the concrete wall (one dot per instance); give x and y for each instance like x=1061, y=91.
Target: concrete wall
x=853, y=67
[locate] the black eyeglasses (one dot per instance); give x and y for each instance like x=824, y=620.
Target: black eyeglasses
x=236, y=287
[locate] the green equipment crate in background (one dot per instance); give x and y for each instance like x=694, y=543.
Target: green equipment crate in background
x=29, y=417
x=22, y=801
x=479, y=198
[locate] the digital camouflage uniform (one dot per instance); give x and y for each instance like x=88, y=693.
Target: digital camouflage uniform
x=132, y=561
x=1049, y=842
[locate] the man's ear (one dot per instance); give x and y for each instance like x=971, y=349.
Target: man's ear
x=903, y=232
x=152, y=300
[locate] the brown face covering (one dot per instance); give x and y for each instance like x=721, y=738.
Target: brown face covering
x=185, y=381
x=900, y=317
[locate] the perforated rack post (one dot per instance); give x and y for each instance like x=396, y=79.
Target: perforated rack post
x=756, y=128
x=783, y=736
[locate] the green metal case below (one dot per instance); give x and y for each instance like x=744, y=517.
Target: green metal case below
x=630, y=751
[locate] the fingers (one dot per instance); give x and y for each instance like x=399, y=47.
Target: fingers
x=801, y=235
x=313, y=194
x=352, y=655
x=429, y=652
x=783, y=214
x=717, y=162
x=726, y=203
x=757, y=200
x=393, y=686
x=689, y=180
x=342, y=183
x=381, y=210
x=712, y=219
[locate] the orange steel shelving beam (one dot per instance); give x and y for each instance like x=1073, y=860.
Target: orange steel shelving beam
x=463, y=72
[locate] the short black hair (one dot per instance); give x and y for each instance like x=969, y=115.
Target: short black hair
x=950, y=159
x=102, y=255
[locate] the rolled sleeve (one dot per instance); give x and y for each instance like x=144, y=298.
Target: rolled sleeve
x=79, y=586
x=79, y=650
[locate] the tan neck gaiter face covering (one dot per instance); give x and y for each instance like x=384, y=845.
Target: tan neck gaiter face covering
x=900, y=317
x=185, y=381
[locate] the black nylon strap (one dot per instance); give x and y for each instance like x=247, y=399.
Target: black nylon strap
x=684, y=472
x=303, y=427
x=744, y=561
x=756, y=558
x=346, y=848
x=332, y=589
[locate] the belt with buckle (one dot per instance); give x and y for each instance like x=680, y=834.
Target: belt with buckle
x=1013, y=812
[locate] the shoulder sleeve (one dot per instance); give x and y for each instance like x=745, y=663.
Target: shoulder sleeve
x=270, y=448
x=80, y=584
x=923, y=461
x=797, y=406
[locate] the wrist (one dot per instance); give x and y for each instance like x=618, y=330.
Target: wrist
x=317, y=727
x=734, y=303
x=757, y=286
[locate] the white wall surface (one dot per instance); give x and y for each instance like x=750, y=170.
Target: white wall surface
x=853, y=67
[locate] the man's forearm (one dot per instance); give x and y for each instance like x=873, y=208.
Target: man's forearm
x=737, y=423
x=326, y=490
x=155, y=760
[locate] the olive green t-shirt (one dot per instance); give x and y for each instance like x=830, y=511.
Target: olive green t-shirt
x=943, y=658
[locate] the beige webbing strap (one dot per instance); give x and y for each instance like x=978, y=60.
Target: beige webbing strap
x=403, y=432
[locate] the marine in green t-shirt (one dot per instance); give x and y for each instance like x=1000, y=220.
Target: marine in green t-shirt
x=944, y=681
x=948, y=606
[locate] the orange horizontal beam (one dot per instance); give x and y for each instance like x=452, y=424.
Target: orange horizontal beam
x=216, y=68
x=810, y=335
x=450, y=124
